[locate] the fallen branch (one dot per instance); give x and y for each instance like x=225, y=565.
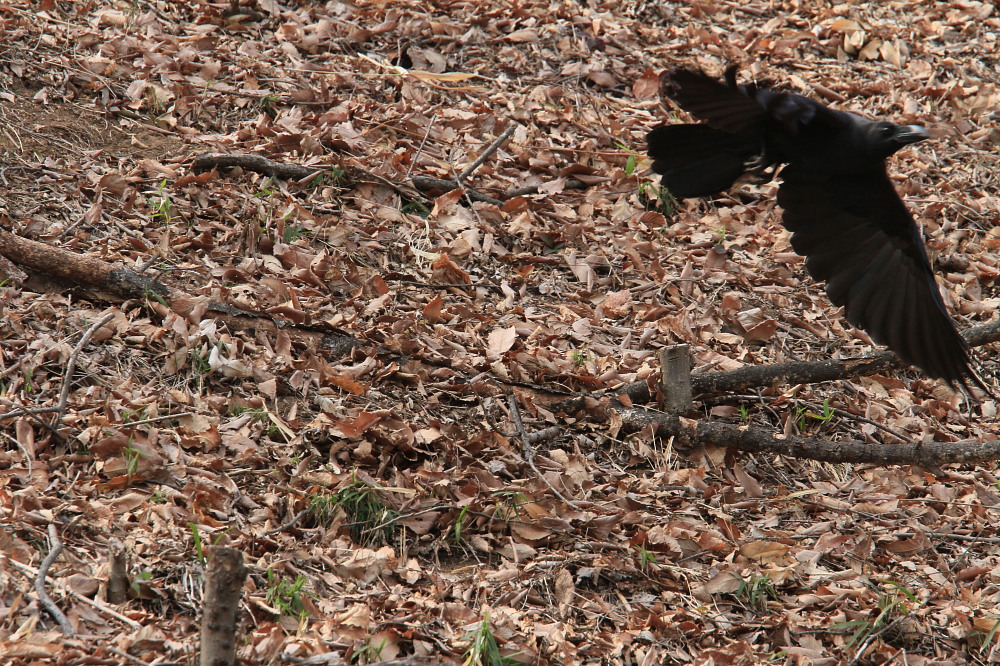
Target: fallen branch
x=295, y=172
x=256, y=163
x=78, y=268
x=126, y=283
x=803, y=372
x=43, y=572
x=269, y=167
x=764, y=440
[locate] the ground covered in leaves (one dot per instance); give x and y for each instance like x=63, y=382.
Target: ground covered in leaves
x=414, y=493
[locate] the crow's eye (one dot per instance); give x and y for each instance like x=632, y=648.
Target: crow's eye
x=887, y=131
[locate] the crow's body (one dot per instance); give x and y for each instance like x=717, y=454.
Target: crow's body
x=839, y=204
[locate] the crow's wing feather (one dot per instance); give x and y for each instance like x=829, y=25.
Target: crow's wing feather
x=856, y=234
x=725, y=108
x=697, y=160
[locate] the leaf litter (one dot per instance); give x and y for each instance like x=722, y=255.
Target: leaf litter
x=386, y=502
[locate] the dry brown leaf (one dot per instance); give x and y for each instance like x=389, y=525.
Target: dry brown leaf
x=617, y=304
x=500, y=340
x=525, y=35
x=646, y=86
x=765, y=552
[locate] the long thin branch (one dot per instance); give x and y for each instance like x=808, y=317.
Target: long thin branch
x=424, y=183
x=71, y=365
x=492, y=148
x=529, y=450
x=803, y=372
x=43, y=572
x=765, y=440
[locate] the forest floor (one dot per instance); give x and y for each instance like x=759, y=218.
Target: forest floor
x=396, y=460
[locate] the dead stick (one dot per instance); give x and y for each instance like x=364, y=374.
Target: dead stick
x=27, y=568
x=126, y=655
x=764, y=440
x=71, y=366
x=571, y=184
x=43, y=571
x=529, y=451
x=492, y=148
x=424, y=183
x=281, y=528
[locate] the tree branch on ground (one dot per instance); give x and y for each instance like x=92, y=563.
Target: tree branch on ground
x=43, y=572
x=803, y=372
x=763, y=440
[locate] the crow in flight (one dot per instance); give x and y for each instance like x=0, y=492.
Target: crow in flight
x=839, y=204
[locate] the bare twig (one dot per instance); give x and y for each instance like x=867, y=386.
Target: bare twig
x=529, y=451
x=571, y=184
x=104, y=608
x=126, y=655
x=281, y=528
x=835, y=410
x=420, y=148
x=43, y=571
x=30, y=570
x=490, y=149
x=28, y=412
x=71, y=366
x=424, y=183
x=154, y=419
x=404, y=516
x=873, y=637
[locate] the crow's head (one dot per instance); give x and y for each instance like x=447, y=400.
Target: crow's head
x=886, y=138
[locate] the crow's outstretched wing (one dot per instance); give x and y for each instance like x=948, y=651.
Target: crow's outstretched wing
x=856, y=234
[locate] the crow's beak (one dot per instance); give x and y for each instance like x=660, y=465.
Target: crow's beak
x=911, y=134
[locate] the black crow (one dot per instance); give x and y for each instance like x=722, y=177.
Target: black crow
x=839, y=204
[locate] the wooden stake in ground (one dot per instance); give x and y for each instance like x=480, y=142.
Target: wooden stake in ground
x=118, y=582
x=223, y=589
x=675, y=369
